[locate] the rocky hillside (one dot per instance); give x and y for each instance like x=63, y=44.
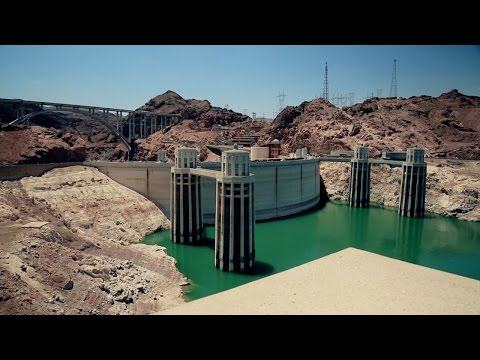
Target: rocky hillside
x=453, y=187
x=201, y=124
x=188, y=133
x=58, y=137
x=445, y=126
x=200, y=111
x=70, y=136
x=63, y=249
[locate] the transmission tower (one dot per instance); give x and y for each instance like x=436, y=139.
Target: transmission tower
x=393, y=86
x=351, y=97
x=379, y=93
x=281, y=101
x=225, y=106
x=325, y=83
x=340, y=100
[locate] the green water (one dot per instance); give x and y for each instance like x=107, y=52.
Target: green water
x=435, y=241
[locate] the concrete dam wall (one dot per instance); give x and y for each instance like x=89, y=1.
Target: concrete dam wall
x=281, y=187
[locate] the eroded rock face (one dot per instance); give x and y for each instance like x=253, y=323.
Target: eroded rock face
x=86, y=259
x=452, y=189
x=85, y=199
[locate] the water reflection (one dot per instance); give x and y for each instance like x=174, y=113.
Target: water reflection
x=358, y=227
x=409, y=239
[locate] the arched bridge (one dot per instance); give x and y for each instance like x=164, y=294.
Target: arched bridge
x=126, y=124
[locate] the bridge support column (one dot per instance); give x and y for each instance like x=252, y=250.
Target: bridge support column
x=235, y=214
x=185, y=199
x=360, y=178
x=413, y=185
x=130, y=121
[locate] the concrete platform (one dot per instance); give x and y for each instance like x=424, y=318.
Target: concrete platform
x=350, y=281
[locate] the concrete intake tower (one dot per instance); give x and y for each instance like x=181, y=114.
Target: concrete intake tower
x=234, y=207
x=186, y=216
x=413, y=185
x=235, y=213
x=360, y=178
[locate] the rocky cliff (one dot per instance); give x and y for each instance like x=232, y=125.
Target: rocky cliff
x=69, y=246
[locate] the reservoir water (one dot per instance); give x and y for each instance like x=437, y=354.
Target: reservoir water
x=437, y=242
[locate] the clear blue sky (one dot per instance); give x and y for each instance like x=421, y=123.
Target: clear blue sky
x=244, y=77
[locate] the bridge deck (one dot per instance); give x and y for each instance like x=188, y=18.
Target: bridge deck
x=77, y=107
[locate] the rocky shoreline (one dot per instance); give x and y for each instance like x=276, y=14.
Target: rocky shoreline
x=453, y=187
x=69, y=245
